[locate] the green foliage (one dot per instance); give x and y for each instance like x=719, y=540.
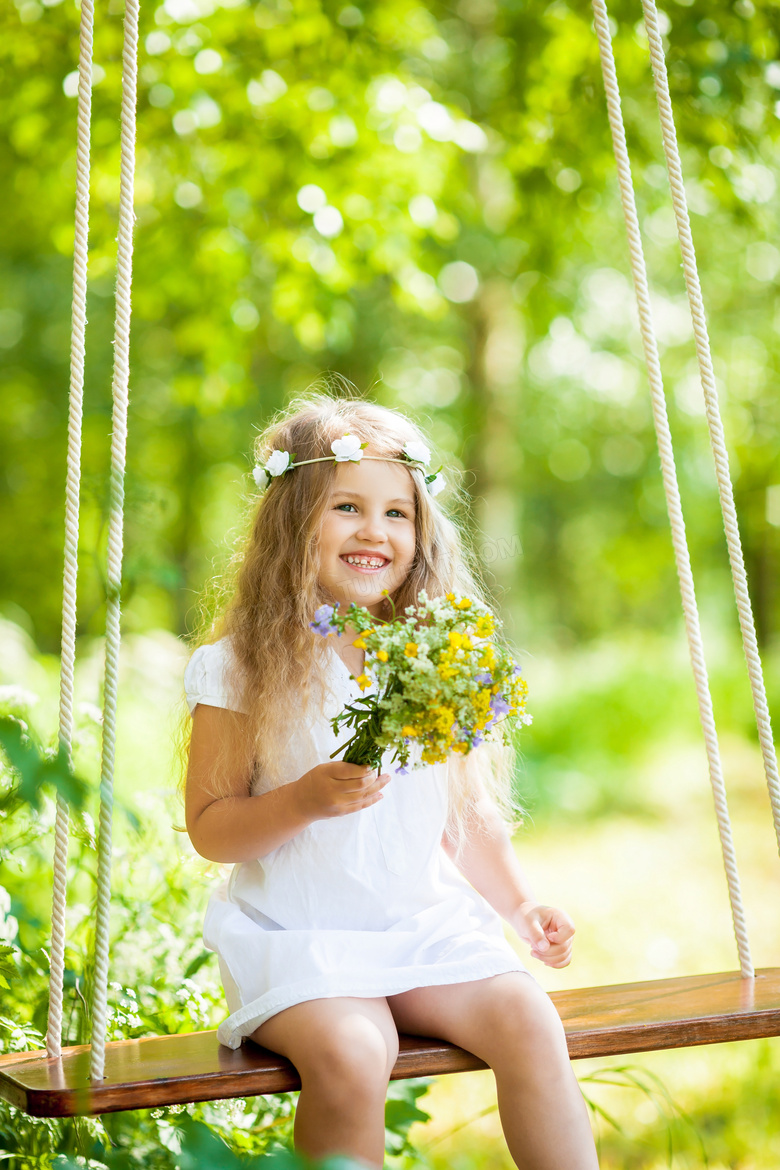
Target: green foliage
x=401, y=1112
x=580, y=754
x=729, y=1124
x=197, y=1147
x=422, y=196
x=36, y=769
x=602, y=712
x=163, y=982
x=672, y=1118
x=673, y=1121
x=414, y=193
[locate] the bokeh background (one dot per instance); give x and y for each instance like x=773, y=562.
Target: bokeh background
x=421, y=198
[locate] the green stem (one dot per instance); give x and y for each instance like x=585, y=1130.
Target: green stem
x=362, y=748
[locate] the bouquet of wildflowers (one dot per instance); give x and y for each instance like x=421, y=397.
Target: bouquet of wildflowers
x=442, y=680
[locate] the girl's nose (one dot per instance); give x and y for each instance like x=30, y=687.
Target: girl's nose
x=372, y=529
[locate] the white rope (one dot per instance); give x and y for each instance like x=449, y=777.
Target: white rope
x=671, y=488
x=714, y=422
x=70, y=574
x=120, y=391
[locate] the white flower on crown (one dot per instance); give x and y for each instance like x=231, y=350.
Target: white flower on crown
x=437, y=484
x=278, y=462
x=348, y=448
x=417, y=451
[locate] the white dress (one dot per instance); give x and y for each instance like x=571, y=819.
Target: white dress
x=366, y=904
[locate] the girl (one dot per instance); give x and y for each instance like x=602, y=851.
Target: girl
x=361, y=905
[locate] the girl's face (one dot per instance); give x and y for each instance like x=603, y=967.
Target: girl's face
x=367, y=537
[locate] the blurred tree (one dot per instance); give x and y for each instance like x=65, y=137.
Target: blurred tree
x=422, y=197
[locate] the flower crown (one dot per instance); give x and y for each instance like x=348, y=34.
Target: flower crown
x=349, y=449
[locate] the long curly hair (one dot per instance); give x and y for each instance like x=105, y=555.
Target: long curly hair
x=272, y=588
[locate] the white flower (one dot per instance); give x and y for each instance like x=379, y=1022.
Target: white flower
x=9, y=928
x=348, y=448
x=421, y=665
x=417, y=451
x=8, y=924
x=278, y=462
x=92, y=712
x=15, y=696
x=437, y=484
x=259, y=476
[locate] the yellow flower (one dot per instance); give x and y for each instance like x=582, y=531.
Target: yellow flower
x=408, y=730
x=450, y=596
x=456, y=638
x=487, y=658
x=484, y=625
x=482, y=708
x=446, y=718
x=411, y=650
x=382, y=655
x=464, y=603
x=363, y=681
x=360, y=644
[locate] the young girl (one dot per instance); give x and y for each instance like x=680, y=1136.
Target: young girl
x=361, y=905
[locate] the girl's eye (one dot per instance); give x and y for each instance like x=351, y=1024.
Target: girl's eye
x=396, y=510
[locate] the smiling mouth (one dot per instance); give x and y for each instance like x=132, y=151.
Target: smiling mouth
x=365, y=564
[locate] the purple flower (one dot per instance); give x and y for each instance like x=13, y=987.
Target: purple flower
x=516, y=669
x=405, y=767
x=498, y=704
x=484, y=680
x=323, y=623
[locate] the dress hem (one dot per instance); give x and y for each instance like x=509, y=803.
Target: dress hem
x=243, y=1022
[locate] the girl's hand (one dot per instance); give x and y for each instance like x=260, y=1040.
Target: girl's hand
x=335, y=789
x=548, y=930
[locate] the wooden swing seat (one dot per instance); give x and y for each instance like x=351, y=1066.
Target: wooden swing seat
x=599, y=1021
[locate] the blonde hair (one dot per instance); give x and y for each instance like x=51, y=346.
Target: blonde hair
x=272, y=589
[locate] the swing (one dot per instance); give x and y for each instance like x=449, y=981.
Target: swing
x=599, y=1021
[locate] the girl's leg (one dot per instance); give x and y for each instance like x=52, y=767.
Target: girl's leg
x=344, y=1050
x=510, y=1022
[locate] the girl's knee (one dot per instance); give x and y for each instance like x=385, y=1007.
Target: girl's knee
x=352, y=1060
x=519, y=1016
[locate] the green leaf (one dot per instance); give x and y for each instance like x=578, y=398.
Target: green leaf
x=195, y=965
x=201, y=1149
x=36, y=769
x=402, y=1111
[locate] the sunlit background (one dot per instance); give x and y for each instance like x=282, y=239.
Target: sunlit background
x=423, y=199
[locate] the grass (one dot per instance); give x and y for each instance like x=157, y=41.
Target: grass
x=723, y=1113
x=640, y=872
x=649, y=897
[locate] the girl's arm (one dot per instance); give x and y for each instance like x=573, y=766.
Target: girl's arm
x=488, y=861
x=236, y=826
